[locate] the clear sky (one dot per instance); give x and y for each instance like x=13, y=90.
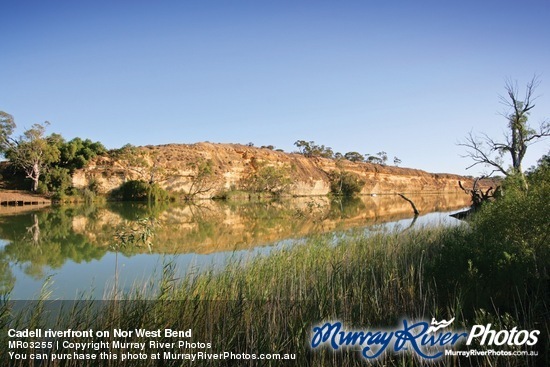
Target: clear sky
x=407, y=77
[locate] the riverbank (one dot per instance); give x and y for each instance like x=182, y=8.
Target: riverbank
x=18, y=201
x=21, y=198
x=77, y=243
x=207, y=170
x=272, y=304
x=491, y=274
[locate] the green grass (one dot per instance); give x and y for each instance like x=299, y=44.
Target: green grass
x=270, y=304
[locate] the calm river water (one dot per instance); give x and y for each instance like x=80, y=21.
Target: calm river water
x=73, y=246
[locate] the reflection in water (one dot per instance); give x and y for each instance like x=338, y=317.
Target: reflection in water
x=73, y=240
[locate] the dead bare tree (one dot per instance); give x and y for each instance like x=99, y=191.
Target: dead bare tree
x=517, y=138
x=478, y=196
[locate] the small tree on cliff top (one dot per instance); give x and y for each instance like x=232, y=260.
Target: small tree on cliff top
x=311, y=149
x=354, y=157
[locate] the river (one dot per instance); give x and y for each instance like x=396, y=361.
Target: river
x=75, y=251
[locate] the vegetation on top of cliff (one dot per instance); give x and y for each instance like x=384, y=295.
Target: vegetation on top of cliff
x=59, y=159
x=50, y=163
x=311, y=149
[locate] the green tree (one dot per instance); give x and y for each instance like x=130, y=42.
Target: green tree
x=380, y=158
x=345, y=183
x=543, y=164
x=138, y=190
x=33, y=153
x=7, y=125
x=56, y=180
x=506, y=248
x=310, y=149
x=76, y=153
x=203, y=180
x=73, y=155
x=354, y=157
x=269, y=179
x=48, y=161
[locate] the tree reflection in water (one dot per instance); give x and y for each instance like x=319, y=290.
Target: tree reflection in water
x=37, y=242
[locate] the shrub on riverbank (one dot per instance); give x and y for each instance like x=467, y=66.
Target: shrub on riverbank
x=344, y=183
x=137, y=190
x=507, y=250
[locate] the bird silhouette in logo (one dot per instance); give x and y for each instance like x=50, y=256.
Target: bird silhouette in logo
x=439, y=325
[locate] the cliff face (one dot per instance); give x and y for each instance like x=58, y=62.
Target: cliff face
x=175, y=168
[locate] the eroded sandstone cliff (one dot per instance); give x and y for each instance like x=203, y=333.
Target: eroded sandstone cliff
x=176, y=166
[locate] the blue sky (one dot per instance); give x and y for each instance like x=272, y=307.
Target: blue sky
x=407, y=77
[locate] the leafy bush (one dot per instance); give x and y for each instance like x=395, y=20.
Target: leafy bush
x=76, y=153
x=136, y=190
x=131, y=191
x=311, y=149
x=354, y=157
x=56, y=181
x=157, y=193
x=203, y=181
x=345, y=183
x=268, y=179
x=506, y=248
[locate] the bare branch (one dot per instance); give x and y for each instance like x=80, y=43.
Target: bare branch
x=519, y=135
x=544, y=132
x=416, y=212
x=479, y=153
x=512, y=99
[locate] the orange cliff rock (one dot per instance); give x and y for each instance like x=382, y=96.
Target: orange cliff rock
x=175, y=165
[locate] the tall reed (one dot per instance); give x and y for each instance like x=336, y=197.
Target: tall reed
x=269, y=304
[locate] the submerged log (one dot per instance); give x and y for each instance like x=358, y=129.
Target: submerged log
x=463, y=215
x=479, y=197
x=416, y=212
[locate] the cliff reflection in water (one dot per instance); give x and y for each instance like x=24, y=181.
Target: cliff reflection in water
x=33, y=241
